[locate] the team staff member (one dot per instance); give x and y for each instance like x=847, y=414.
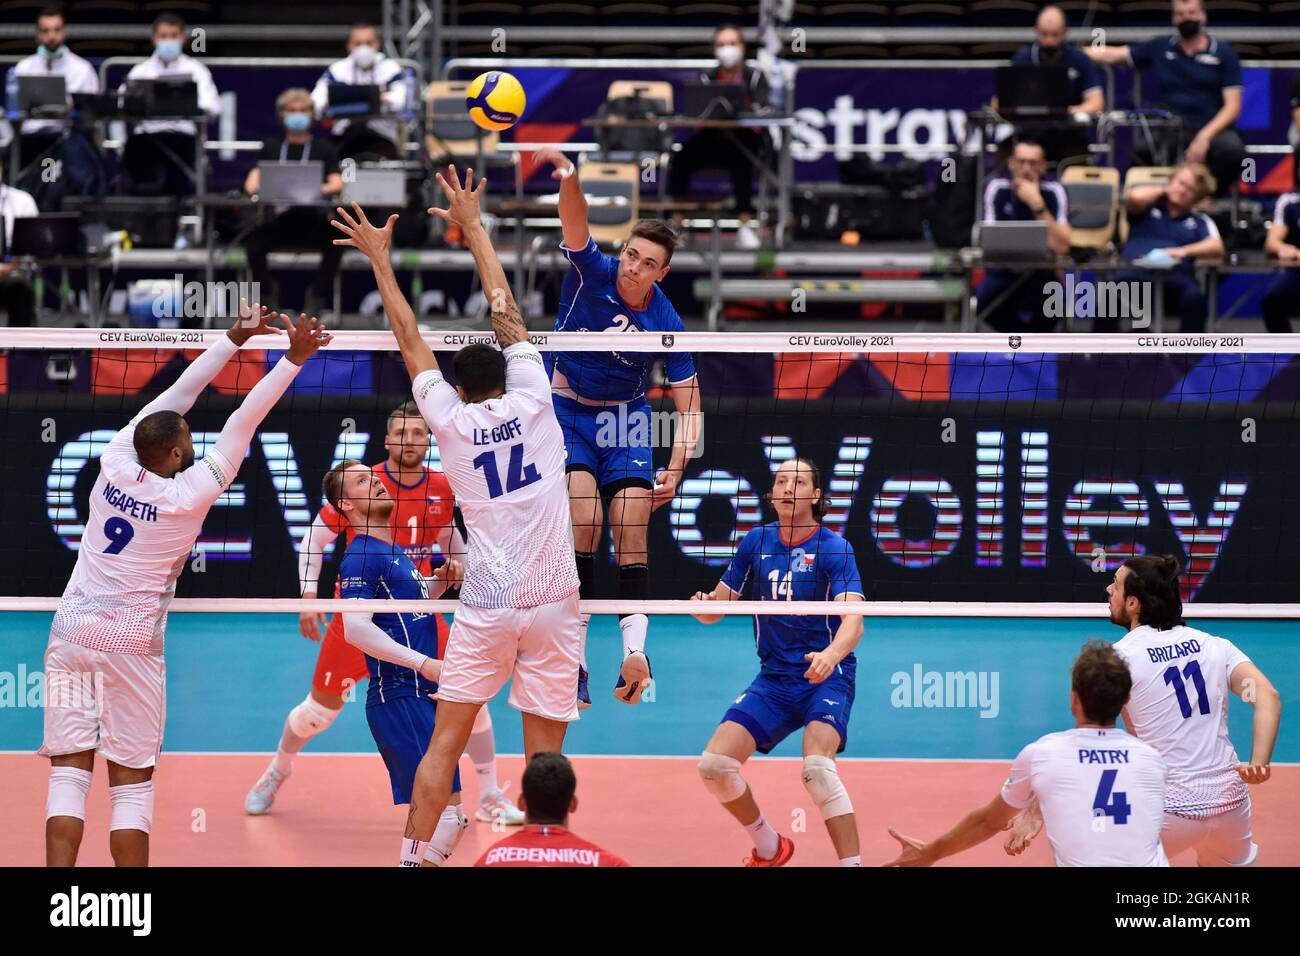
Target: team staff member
x=364, y=65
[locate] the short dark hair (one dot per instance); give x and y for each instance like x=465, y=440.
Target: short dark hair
x=823, y=503
x=1102, y=680
x=167, y=19
x=1027, y=140
x=657, y=232
x=333, y=483
x=408, y=409
x=1153, y=580
x=723, y=27
x=156, y=435
x=548, y=785
x=480, y=370
x=53, y=10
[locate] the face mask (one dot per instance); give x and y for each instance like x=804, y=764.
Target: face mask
x=168, y=50
x=1048, y=51
x=1189, y=28
x=728, y=55
x=297, y=122
x=48, y=54
x=364, y=56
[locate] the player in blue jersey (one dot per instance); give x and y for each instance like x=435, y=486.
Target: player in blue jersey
x=808, y=668
x=401, y=649
x=599, y=399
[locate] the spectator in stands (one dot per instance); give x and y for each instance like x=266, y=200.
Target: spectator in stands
x=157, y=147
x=1295, y=121
x=717, y=148
x=1200, y=81
x=80, y=170
x=1163, y=225
x=365, y=65
x=298, y=226
x=1012, y=300
x=17, y=298
x=1283, y=296
x=545, y=839
x=1062, y=141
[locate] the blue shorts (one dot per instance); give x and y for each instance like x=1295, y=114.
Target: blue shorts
x=402, y=729
x=613, y=442
x=773, y=707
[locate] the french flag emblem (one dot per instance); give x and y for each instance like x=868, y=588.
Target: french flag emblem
x=808, y=560
x=140, y=477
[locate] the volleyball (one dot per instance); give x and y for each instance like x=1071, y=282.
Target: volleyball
x=495, y=100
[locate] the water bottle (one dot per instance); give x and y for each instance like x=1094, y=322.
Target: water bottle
x=11, y=94
x=412, y=94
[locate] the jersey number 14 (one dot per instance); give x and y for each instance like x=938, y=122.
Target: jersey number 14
x=518, y=474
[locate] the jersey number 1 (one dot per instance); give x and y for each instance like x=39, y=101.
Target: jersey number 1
x=518, y=475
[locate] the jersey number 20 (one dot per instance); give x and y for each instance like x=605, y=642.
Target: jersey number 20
x=518, y=475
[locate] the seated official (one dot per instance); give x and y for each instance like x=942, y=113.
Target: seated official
x=81, y=171
x=1282, y=299
x=1163, y=222
x=1294, y=134
x=718, y=148
x=302, y=227
x=1199, y=77
x=1012, y=300
x=151, y=171
x=1061, y=140
x=17, y=298
x=365, y=65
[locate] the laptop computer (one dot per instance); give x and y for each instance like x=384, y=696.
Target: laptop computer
x=288, y=183
x=717, y=101
x=50, y=236
x=169, y=97
x=353, y=99
x=1014, y=241
x=42, y=95
x=1033, y=90
x=376, y=187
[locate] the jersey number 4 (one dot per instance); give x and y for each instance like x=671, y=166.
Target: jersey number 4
x=518, y=475
x=1109, y=801
x=1192, y=671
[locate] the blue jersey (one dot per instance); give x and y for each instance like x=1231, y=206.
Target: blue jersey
x=589, y=302
x=1158, y=229
x=819, y=568
x=1287, y=210
x=374, y=569
x=1191, y=86
x=1001, y=204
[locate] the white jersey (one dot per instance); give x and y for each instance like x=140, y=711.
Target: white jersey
x=505, y=461
x=1179, y=705
x=141, y=530
x=1101, y=793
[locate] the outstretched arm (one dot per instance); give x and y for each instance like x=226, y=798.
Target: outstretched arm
x=1249, y=683
x=375, y=243
x=182, y=394
x=573, y=204
x=976, y=827
x=463, y=210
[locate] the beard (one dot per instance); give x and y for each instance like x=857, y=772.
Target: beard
x=187, y=459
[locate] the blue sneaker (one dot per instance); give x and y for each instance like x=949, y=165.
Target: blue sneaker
x=633, y=678
x=584, y=695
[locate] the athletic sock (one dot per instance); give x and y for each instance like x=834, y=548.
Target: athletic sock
x=482, y=750
x=290, y=745
x=766, y=840
x=851, y=861
x=412, y=852
x=586, y=590
x=633, y=585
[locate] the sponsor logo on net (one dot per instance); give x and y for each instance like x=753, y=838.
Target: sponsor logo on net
x=483, y=338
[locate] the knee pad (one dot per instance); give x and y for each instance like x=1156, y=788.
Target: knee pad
x=483, y=722
x=446, y=835
x=721, y=776
x=67, y=794
x=311, y=717
x=132, y=806
x=823, y=783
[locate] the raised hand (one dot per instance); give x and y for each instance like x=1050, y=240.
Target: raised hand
x=305, y=337
x=462, y=200
x=374, y=242
x=253, y=320
x=563, y=166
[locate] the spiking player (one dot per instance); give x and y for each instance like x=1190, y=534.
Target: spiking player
x=808, y=668
x=1101, y=790
x=592, y=389
x=401, y=649
x=146, y=510
x=503, y=452
x=422, y=518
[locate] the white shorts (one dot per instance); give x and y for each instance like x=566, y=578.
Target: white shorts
x=111, y=703
x=537, y=646
x=1222, y=840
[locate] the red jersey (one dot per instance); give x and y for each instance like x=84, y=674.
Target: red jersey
x=543, y=845
x=423, y=509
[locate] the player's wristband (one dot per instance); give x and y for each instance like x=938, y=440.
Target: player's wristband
x=567, y=171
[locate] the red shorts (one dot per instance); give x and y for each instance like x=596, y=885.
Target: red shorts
x=340, y=666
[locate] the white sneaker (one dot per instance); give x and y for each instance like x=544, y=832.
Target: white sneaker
x=495, y=807
x=747, y=236
x=262, y=796
x=634, y=678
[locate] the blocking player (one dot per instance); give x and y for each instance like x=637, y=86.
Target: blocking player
x=808, y=669
x=146, y=510
x=503, y=452
x=422, y=518
x=596, y=389
x=1101, y=790
x=401, y=649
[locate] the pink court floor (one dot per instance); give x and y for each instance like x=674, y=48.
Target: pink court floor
x=337, y=810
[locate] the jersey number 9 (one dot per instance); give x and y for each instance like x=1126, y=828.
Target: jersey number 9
x=119, y=532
